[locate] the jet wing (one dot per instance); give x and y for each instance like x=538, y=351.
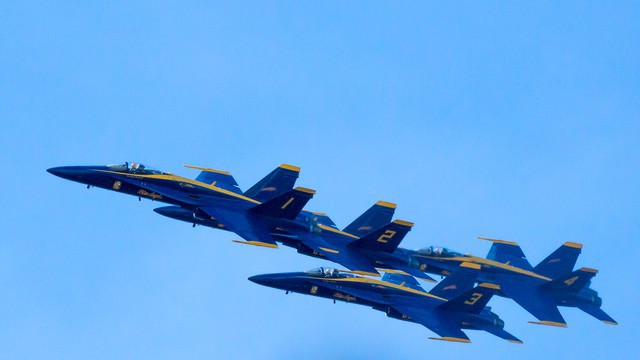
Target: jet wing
x=248, y=226
x=442, y=325
x=535, y=300
x=501, y=333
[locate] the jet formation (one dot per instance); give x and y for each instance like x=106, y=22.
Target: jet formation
x=272, y=212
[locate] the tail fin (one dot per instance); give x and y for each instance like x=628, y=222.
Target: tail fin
x=402, y=280
x=275, y=183
x=378, y=215
x=386, y=238
x=560, y=262
x=287, y=205
x=458, y=282
x=573, y=281
x=472, y=301
x=219, y=178
x=507, y=252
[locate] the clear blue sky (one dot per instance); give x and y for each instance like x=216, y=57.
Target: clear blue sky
x=518, y=121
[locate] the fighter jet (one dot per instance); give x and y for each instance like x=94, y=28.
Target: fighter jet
x=191, y=198
x=452, y=305
x=270, y=211
x=539, y=290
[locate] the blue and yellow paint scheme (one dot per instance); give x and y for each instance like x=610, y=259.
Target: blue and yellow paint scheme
x=270, y=212
x=453, y=305
x=539, y=290
x=212, y=196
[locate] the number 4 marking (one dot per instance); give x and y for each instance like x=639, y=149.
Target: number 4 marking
x=570, y=282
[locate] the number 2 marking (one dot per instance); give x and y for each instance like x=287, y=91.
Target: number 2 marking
x=386, y=236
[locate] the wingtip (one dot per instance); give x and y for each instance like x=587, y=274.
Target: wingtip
x=549, y=323
x=257, y=243
x=451, y=339
x=498, y=241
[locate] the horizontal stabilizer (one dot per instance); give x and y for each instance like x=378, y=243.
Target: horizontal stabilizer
x=560, y=262
x=458, y=282
x=573, y=281
x=472, y=301
x=287, y=205
x=279, y=181
x=386, y=238
x=218, y=178
x=375, y=217
x=598, y=313
x=507, y=252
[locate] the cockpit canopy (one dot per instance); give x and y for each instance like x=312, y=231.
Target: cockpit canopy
x=327, y=273
x=134, y=168
x=438, y=251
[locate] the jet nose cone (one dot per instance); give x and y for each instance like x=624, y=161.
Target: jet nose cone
x=82, y=174
x=65, y=172
x=265, y=280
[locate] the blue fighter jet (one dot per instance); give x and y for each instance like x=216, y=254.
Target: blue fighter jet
x=270, y=211
x=539, y=290
x=452, y=305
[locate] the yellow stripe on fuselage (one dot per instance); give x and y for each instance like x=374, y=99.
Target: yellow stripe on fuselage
x=479, y=260
x=327, y=228
x=364, y=280
x=176, y=178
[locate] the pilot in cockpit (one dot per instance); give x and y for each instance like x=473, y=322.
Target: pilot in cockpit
x=329, y=272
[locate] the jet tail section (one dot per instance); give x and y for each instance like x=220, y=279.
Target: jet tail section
x=275, y=183
x=507, y=252
x=472, y=301
x=573, y=281
x=287, y=205
x=386, y=238
x=218, y=178
x=375, y=217
x=560, y=262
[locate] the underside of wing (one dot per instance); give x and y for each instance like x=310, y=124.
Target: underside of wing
x=444, y=326
x=246, y=225
x=535, y=300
